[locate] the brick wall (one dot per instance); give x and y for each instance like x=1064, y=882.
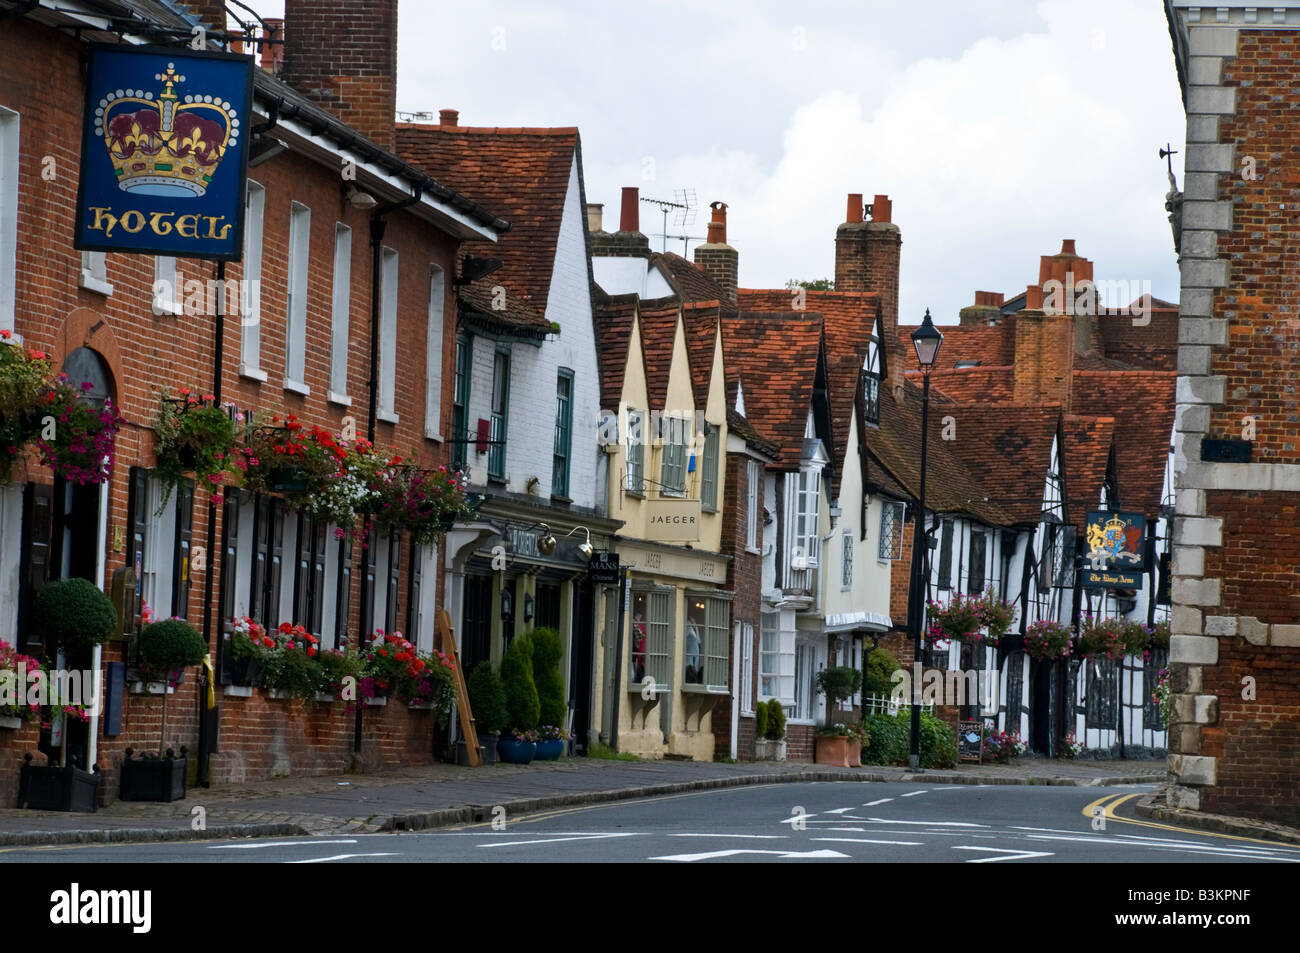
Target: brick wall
x=42, y=81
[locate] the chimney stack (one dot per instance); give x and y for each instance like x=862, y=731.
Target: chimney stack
x=1044, y=358
x=272, y=58
x=595, y=217
x=986, y=311
x=627, y=242
x=211, y=13
x=342, y=54
x=448, y=117
x=1068, y=270
x=866, y=259
x=718, y=259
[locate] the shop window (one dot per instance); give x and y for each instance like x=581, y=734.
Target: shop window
x=653, y=613
x=705, y=658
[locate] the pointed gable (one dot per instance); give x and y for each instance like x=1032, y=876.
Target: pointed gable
x=614, y=319
x=659, y=321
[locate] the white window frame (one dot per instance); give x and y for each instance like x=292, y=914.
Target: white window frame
x=250, y=319
x=295, y=322
x=94, y=272
x=805, y=692
x=167, y=298
x=752, y=505
x=340, y=311
x=846, y=561
x=388, y=336
x=159, y=564
x=714, y=656
x=807, y=515
x=745, y=636
x=433, y=361
x=675, y=435
x=776, y=660
x=10, y=128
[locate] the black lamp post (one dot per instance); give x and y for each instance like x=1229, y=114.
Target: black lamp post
x=926, y=339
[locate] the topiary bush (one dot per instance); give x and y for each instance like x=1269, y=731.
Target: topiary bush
x=881, y=665
x=170, y=644
x=522, y=705
x=838, y=682
x=760, y=720
x=775, y=720
x=74, y=614
x=548, y=649
x=487, y=700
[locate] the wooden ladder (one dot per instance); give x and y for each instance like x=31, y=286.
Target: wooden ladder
x=446, y=644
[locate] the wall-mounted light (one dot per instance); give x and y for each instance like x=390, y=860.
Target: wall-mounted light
x=362, y=200
x=528, y=607
x=545, y=542
x=507, y=605
x=585, y=547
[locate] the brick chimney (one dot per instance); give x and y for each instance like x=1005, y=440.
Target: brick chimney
x=211, y=13
x=343, y=55
x=1044, y=361
x=1067, y=270
x=866, y=259
x=272, y=58
x=448, y=118
x=716, y=257
x=627, y=242
x=986, y=311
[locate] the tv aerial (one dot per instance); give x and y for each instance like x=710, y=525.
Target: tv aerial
x=682, y=206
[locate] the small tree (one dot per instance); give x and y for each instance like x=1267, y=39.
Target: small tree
x=548, y=649
x=521, y=691
x=881, y=666
x=775, y=719
x=164, y=647
x=487, y=698
x=838, y=682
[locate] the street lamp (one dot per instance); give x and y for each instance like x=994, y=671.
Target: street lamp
x=926, y=339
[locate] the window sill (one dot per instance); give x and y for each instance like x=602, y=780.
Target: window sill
x=252, y=372
x=498, y=480
x=343, y=400
x=709, y=509
x=97, y=285
x=297, y=387
x=753, y=551
x=239, y=691
x=433, y=435
x=387, y=417
x=696, y=688
x=635, y=494
x=168, y=309
x=560, y=499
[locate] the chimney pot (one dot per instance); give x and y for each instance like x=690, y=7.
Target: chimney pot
x=595, y=217
x=882, y=210
x=717, y=233
x=1034, y=298
x=1067, y=247
x=448, y=117
x=854, y=213
x=629, y=219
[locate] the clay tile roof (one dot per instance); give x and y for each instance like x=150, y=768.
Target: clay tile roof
x=739, y=425
x=1142, y=403
x=775, y=354
x=1088, y=442
x=1152, y=345
x=479, y=306
x=991, y=346
x=972, y=383
x=894, y=462
x=613, y=319
x=658, y=336
x=701, y=319
x=521, y=174
x=691, y=282
x=1008, y=450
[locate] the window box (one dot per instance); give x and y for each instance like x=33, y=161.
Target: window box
x=52, y=788
x=10, y=722
x=152, y=688
x=239, y=691
x=279, y=694
x=153, y=779
x=379, y=701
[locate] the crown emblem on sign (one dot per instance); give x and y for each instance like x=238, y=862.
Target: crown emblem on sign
x=172, y=146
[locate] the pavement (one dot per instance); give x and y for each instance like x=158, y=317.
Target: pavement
x=442, y=794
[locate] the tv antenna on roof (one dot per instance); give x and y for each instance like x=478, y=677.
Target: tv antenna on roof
x=683, y=206
x=404, y=116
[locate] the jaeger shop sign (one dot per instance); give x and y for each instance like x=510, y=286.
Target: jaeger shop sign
x=673, y=521
x=164, y=152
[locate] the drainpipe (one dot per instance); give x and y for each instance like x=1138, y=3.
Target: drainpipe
x=377, y=228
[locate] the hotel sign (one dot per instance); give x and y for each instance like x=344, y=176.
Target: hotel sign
x=1114, y=553
x=673, y=521
x=164, y=152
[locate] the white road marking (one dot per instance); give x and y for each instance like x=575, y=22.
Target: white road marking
x=749, y=836
x=710, y=855
x=881, y=820
x=883, y=800
x=1190, y=846
x=285, y=843
x=840, y=810
x=911, y=793
x=557, y=840
x=866, y=840
x=797, y=817
x=325, y=860
x=1017, y=854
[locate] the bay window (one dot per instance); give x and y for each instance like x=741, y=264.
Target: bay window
x=706, y=658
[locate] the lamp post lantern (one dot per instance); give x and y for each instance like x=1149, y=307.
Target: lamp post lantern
x=926, y=339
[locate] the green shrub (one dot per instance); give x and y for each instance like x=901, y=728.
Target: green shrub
x=522, y=703
x=881, y=665
x=548, y=649
x=75, y=613
x=760, y=720
x=890, y=740
x=168, y=645
x=335, y=666
x=487, y=700
x=293, y=671
x=775, y=719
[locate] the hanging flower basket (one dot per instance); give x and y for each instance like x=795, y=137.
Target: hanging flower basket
x=1046, y=640
x=1101, y=638
x=81, y=449
x=24, y=378
x=289, y=458
x=194, y=435
x=426, y=502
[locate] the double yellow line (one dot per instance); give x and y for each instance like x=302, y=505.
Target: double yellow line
x=1115, y=800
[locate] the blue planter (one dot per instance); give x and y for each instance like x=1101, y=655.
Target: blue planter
x=550, y=750
x=516, y=752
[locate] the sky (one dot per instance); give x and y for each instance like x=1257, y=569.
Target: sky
x=997, y=128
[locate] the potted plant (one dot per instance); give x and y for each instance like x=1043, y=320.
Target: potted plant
x=1101, y=638
x=24, y=379
x=838, y=682
x=487, y=701
x=548, y=649
x=81, y=447
x=340, y=675
x=431, y=687
x=389, y=665
x=551, y=742
x=291, y=670
x=194, y=435
x=1046, y=640
x=838, y=744
x=165, y=650
x=776, y=729
x=248, y=643
x=17, y=683
x=520, y=745
x=761, y=744
x=73, y=614
x=291, y=459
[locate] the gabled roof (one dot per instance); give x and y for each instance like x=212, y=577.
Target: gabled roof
x=659, y=320
x=690, y=281
x=740, y=426
x=613, y=318
x=479, y=307
x=521, y=173
x=1142, y=403
x=701, y=319
x=995, y=384
x=991, y=346
x=1088, y=446
x=777, y=354
x=1007, y=449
